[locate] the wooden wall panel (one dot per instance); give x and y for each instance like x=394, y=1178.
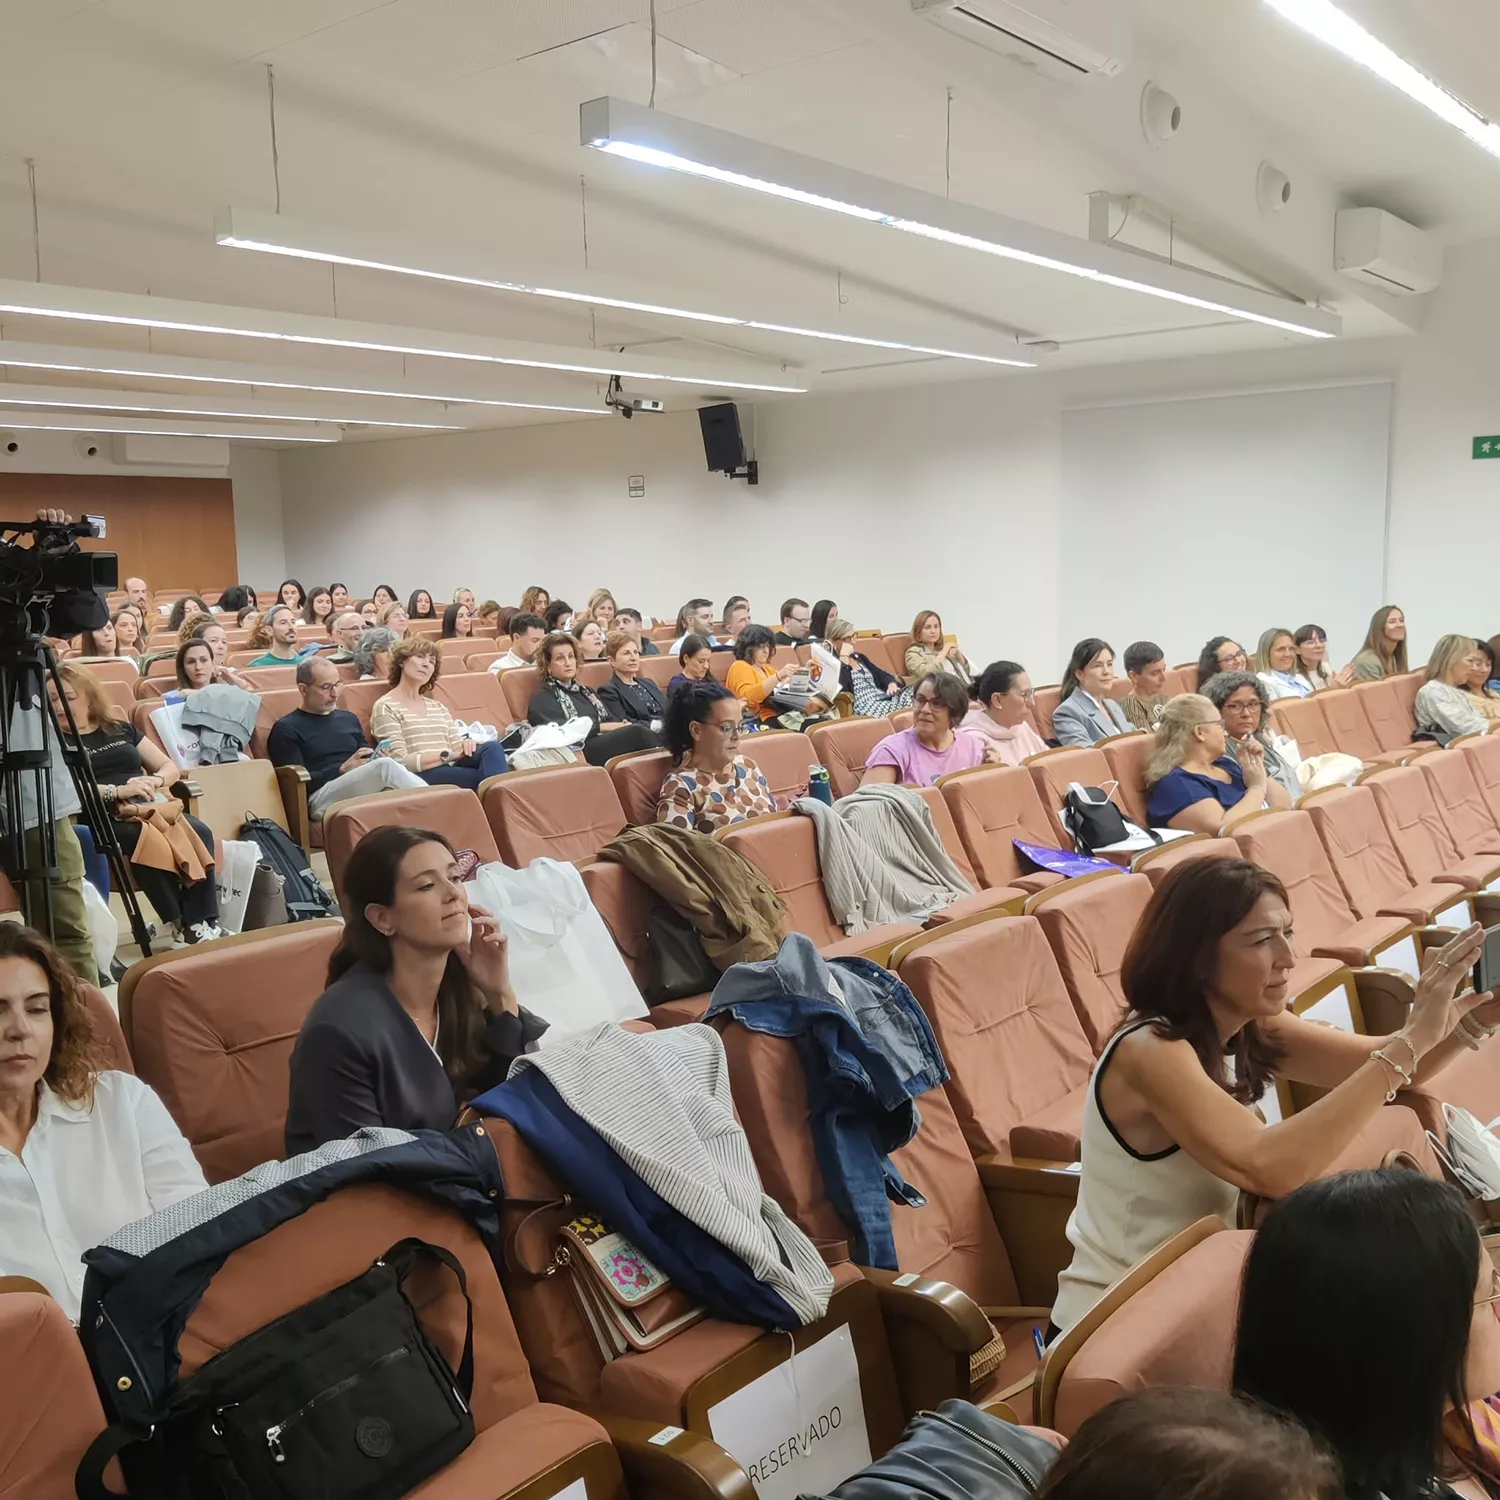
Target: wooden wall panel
x=174, y=533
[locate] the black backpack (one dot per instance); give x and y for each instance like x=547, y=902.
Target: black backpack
x=305, y=895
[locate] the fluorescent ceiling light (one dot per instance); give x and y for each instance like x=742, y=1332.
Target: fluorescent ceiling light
x=660, y=140
x=24, y=356
x=132, y=310
x=1333, y=27
x=126, y=401
x=34, y=421
x=274, y=234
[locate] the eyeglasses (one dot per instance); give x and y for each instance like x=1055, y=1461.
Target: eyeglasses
x=1493, y=1295
x=731, y=730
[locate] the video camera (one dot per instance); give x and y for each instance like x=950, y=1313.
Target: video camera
x=53, y=587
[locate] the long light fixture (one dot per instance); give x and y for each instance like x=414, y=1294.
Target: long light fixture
x=126, y=401
x=34, y=421
x=133, y=310
x=121, y=362
x=1330, y=25
x=274, y=234
x=660, y=140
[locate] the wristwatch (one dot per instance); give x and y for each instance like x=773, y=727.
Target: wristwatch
x=445, y=756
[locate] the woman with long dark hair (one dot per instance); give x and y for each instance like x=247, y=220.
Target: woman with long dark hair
x=1168, y=1132
x=1384, y=651
x=1368, y=1312
x=419, y=1015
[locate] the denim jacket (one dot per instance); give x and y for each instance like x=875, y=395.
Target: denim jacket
x=868, y=1052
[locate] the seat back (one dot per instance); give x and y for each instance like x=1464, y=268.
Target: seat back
x=1055, y=769
x=211, y=1029
x=1156, y=864
x=1014, y=1047
x=452, y=811
x=1178, y=1330
x=235, y=790
x=1088, y=925
x=1483, y=755
x=844, y=746
x=474, y=697
x=991, y=807
x=594, y=674
x=479, y=657
x=896, y=643
x=1043, y=706
x=1407, y=686
x=785, y=760
x=360, y=698
x=637, y=779
x=1126, y=755
x=784, y=848
x=264, y=679
x=1301, y=719
x=623, y=902
x=1359, y=847
x=517, y=684
x=339, y=1239
x=275, y=703
x=953, y=1238
x=719, y=664
x=947, y=832
x=1459, y=801
x=557, y=812
x=1418, y=833
x=1391, y=721
x=660, y=669
x=1347, y=725
x=1286, y=844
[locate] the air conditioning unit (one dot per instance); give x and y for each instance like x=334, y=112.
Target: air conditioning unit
x=1383, y=251
x=1063, y=39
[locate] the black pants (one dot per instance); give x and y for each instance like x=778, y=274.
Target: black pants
x=599, y=748
x=175, y=901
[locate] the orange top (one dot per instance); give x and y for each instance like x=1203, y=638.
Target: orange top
x=754, y=686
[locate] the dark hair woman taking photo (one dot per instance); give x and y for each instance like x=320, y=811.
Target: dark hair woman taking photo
x=419, y=1015
x=1168, y=1134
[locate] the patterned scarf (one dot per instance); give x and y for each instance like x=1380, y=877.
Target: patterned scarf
x=566, y=692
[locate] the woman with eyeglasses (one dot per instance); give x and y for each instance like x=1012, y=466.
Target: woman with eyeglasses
x=1312, y=659
x=1002, y=712
x=1244, y=705
x=1221, y=653
x=1196, y=785
x=1276, y=665
x=712, y=785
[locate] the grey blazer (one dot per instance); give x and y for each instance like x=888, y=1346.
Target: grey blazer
x=1078, y=720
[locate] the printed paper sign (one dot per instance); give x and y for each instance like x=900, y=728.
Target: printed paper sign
x=578, y=1490
x=800, y=1428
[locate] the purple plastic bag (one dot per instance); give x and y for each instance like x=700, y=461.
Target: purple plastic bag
x=1062, y=861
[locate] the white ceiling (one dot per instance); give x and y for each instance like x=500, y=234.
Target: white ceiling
x=455, y=121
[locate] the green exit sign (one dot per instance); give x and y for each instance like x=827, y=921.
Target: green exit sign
x=1487, y=447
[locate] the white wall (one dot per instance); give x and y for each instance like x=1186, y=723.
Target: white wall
x=954, y=497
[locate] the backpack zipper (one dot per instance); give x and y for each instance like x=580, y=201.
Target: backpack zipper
x=273, y=1433
x=1016, y=1467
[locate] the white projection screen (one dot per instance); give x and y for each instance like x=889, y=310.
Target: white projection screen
x=1226, y=515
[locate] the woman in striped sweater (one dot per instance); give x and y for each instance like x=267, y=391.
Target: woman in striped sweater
x=411, y=725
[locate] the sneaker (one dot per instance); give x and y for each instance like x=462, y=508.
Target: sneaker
x=204, y=932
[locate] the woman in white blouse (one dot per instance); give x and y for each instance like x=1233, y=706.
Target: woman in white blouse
x=1276, y=665
x=1443, y=705
x=84, y=1150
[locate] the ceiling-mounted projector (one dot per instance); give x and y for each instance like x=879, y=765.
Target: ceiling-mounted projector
x=1063, y=39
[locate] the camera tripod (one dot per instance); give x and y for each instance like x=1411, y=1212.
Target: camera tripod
x=27, y=731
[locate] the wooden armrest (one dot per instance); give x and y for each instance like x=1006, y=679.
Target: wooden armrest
x=1385, y=997
x=941, y=1309
x=293, y=782
x=1016, y=1314
x=686, y=1466
x=23, y=1284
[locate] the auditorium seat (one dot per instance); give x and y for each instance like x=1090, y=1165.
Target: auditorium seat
x=594, y=674
x=1420, y=834
x=518, y=684
x=669, y=1384
x=120, y=694
x=454, y=649
x=1301, y=719
x=1018, y=1059
x=1369, y=869
x=785, y=758
x=360, y=698
x=1126, y=756
x=479, y=660
x=230, y=793
x=719, y=663
x=1407, y=686
x=992, y=1229
x=522, y=1447
x=1169, y=1321
x=1391, y=720
x=275, y=703
x=1482, y=751
x=453, y=811
x=473, y=697
x=844, y=746
x=660, y=669
x=991, y=807
x=1188, y=676
x=211, y=1029
x=1352, y=733
x=1053, y=771
x=1155, y=863
x=1286, y=843
x=896, y=643
x=553, y=812
x=623, y=902
x=49, y=1407
x=112, y=669
x=1043, y=705
x=263, y=679
x=637, y=779
x=1088, y=923
x=1465, y=813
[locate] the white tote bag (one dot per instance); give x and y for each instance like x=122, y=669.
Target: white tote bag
x=564, y=965
x=233, y=876
x=181, y=744
x=104, y=930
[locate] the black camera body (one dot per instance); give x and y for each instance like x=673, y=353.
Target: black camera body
x=53, y=587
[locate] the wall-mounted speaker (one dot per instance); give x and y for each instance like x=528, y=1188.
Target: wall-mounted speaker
x=723, y=443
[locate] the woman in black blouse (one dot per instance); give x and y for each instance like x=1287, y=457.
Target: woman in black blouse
x=627, y=695
x=560, y=697
x=130, y=768
x=419, y=1015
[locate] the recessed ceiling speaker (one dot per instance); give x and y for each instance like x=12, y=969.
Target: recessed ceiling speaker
x=1273, y=188
x=86, y=447
x=1161, y=114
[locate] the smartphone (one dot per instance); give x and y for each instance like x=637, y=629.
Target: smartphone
x=1487, y=970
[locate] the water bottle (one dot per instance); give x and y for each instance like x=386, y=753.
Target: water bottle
x=818, y=785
